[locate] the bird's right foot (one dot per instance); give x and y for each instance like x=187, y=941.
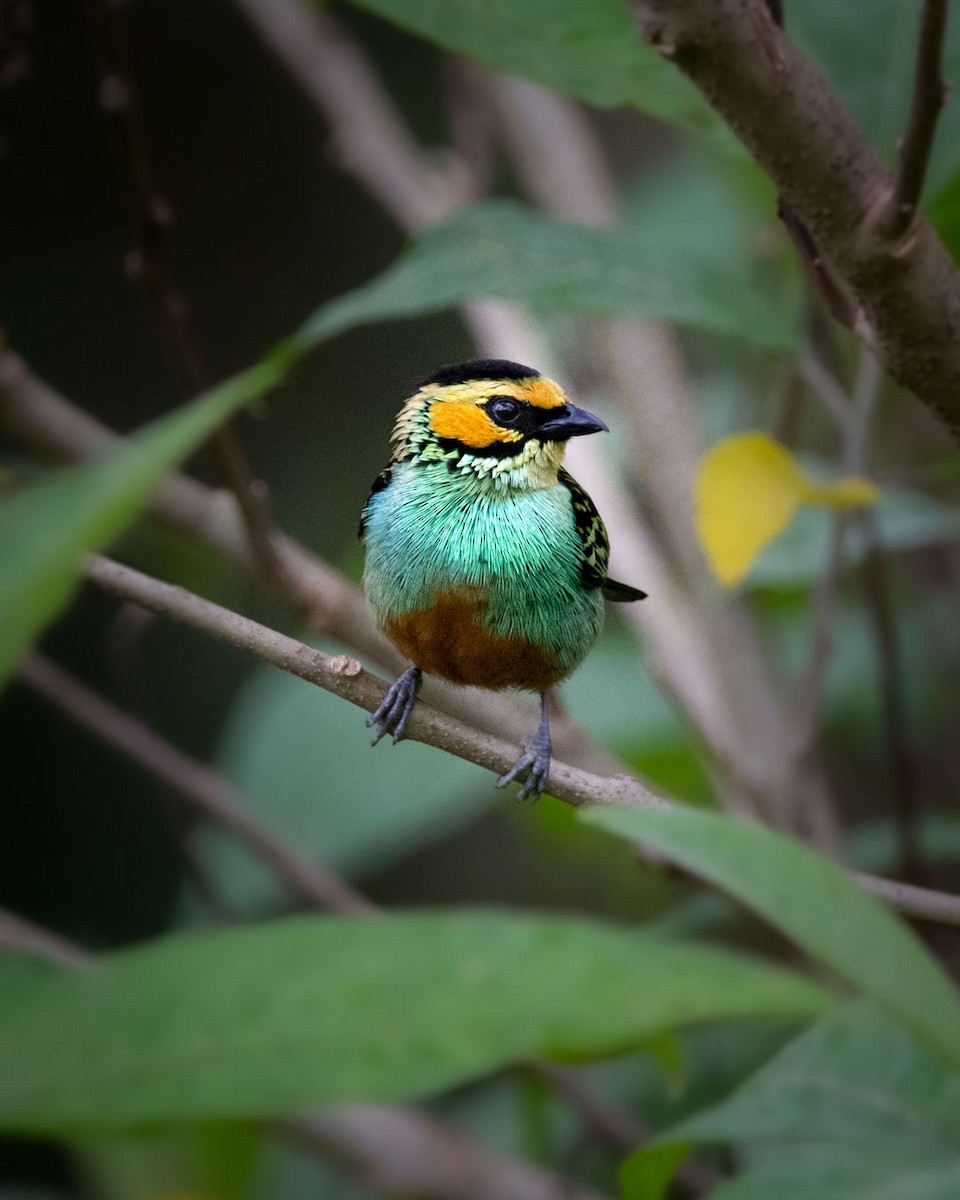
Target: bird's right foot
x=394, y=713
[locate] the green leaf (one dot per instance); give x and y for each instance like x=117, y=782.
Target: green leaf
x=46, y=530
x=853, y=1108
x=304, y=762
x=646, y=1174
x=212, y=1160
x=312, y=1011
x=500, y=249
x=586, y=48
x=812, y=901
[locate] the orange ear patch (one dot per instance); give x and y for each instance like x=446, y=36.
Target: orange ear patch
x=462, y=421
x=544, y=393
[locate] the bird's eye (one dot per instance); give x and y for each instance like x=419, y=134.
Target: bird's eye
x=504, y=410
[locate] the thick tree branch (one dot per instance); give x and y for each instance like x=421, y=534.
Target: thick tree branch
x=793, y=123
x=192, y=781
x=346, y=678
x=929, y=97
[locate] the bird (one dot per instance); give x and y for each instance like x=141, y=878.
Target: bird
x=485, y=560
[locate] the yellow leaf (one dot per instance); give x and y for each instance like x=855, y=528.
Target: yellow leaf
x=747, y=489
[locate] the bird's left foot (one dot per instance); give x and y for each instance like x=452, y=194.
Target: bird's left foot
x=394, y=712
x=533, y=767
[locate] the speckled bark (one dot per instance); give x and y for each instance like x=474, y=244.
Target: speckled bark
x=793, y=123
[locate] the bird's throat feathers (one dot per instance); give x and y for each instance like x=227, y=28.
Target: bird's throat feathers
x=450, y=425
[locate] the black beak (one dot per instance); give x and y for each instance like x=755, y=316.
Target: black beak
x=570, y=422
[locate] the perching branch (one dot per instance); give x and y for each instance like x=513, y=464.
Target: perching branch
x=194, y=782
x=49, y=425
x=346, y=678
x=929, y=97
x=794, y=124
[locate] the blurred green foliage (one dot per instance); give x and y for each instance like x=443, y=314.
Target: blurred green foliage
x=439, y=1008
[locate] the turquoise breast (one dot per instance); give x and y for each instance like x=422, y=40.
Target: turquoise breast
x=431, y=531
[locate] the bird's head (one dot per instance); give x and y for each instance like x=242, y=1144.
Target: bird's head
x=494, y=421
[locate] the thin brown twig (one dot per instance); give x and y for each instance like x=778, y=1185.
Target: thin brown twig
x=192, y=781
x=399, y=1152
x=148, y=267
x=614, y=1127
x=825, y=387
x=893, y=701
x=347, y=679
x=17, y=933
x=820, y=275
x=929, y=96
x=809, y=698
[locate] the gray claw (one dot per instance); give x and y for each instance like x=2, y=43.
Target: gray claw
x=397, y=705
x=533, y=767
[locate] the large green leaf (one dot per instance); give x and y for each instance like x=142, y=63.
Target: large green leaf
x=854, y=1109
x=500, y=249
x=46, y=530
x=587, y=48
x=314, y=1011
x=811, y=900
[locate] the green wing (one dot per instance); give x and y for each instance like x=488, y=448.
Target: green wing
x=595, y=545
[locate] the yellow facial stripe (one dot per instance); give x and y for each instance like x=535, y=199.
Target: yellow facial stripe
x=462, y=421
x=542, y=393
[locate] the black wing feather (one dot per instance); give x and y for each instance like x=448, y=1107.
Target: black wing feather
x=595, y=544
x=381, y=481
